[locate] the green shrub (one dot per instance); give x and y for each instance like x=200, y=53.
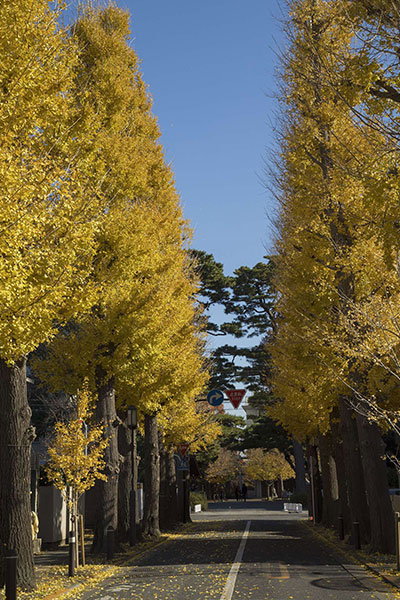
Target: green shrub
x=198, y=498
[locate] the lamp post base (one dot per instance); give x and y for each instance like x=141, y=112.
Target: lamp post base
x=132, y=518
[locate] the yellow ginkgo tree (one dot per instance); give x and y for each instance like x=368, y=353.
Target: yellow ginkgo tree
x=50, y=206
x=337, y=249
x=140, y=343
x=76, y=453
x=225, y=468
x=267, y=466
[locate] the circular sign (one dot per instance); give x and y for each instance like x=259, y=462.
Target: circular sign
x=215, y=397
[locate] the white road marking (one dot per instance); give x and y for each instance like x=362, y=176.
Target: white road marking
x=230, y=584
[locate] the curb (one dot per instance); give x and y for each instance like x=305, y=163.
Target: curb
x=356, y=558
x=77, y=587
x=389, y=580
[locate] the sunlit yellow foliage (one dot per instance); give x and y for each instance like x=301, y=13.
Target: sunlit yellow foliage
x=267, y=466
x=225, y=468
x=76, y=456
x=143, y=332
x=115, y=91
x=182, y=422
x=337, y=247
x=48, y=217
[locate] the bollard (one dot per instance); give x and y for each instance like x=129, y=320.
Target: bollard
x=110, y=543
x=397, y=533
x=71, y=556
x=356, y=535
x=11, y=575
x=341, y=528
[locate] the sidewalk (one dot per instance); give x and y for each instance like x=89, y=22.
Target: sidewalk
x=51, y=568
x=383, y=566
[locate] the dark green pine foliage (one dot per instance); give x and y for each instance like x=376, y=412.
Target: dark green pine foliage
x=252, y=300
x=248, y=299
x=215, y=287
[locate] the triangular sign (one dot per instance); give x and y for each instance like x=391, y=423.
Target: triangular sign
x=183, y=448
x=235, y=396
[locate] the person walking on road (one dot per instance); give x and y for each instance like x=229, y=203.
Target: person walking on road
x=244, y=492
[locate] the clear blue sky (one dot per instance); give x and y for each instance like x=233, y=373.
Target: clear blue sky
x=209, y=65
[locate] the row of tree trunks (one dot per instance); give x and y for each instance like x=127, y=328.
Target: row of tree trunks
x=161, y=509
x=354, y=478
x=111, y=496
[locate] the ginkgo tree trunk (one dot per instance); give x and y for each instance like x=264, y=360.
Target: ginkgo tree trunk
x=151, y=518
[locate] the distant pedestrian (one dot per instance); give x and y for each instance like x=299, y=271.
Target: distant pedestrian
x=244, y=492
x=237, y=493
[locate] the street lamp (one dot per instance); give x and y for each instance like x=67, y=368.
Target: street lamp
x=132, y=425
x=132, y=417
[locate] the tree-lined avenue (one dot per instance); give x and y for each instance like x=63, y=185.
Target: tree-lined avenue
x=239, y=550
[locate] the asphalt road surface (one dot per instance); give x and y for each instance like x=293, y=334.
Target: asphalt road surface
x=243, y=551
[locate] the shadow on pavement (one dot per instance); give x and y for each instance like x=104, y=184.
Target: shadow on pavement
x=272, y=546
x=248, y=505
x=349, y=584
x=52, y=557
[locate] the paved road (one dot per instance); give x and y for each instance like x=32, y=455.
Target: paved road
x=243, y=551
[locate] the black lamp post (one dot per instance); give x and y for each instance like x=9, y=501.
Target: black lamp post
x=132, y=424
